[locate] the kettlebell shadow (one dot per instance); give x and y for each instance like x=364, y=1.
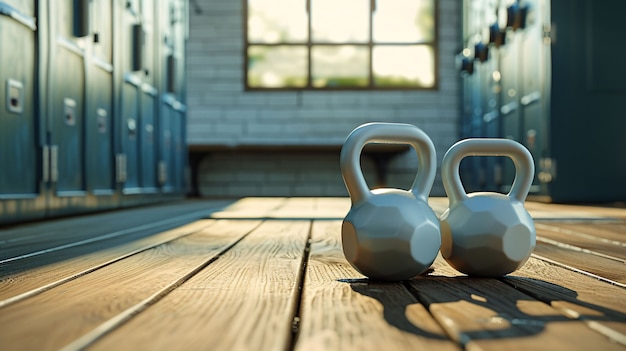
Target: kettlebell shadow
x=397, y=302
x=484, y=308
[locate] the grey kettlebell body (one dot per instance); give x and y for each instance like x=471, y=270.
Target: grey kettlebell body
x=487, y=234
x=389, y=234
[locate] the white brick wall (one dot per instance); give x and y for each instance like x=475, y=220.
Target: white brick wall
x=221, y=112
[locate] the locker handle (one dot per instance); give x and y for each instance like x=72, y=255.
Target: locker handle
x=120, y=160
x=45, y=163
x=15, y=96
x=516, y=16
x=138, y=36
x=171, y=74
x=530, y=98
x=10, y=11
x=81, y=18
x=481, y=52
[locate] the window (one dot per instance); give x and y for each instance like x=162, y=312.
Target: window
x=340, y=44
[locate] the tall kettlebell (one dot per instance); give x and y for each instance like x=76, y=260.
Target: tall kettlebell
x=389, y=234
x=487, y=234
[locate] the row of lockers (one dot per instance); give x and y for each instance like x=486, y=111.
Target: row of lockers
x=92, y=107
x=547, y=73
x=505, y=81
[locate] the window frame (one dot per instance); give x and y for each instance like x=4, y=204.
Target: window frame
x=434, y=44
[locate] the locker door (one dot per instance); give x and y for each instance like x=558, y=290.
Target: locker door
x=491, y=118
x=166, y=152
x=67, y=96
x=149, y=98
x=509, y=96
x=179, y=128
x=148, y=140
x=533, y=97
x=478, y=90
x=130, y=131
x=165, y=111
x=178, y=148
x=19, y=151
x=132, y=61
x=99, y=127
x=179, y=33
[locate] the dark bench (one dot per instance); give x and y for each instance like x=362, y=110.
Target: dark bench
x=380, y=154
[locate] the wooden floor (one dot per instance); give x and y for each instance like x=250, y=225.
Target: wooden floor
x=269, y=274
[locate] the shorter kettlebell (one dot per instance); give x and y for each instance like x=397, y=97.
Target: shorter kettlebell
x=389, y=234
x=487, y=234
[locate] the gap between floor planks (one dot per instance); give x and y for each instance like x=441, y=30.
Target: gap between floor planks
x=245, y=300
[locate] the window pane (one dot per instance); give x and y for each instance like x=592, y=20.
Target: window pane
x=337, y=66
x=402, y=21
x=340, y=21
x=277, y=21
x=277, y=66
x=407, y=66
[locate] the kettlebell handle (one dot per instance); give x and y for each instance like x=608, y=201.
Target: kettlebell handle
x=387, y=133
x=523, y=160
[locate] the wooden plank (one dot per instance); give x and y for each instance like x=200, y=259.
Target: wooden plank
x=61, y=315
x=601, y=305
x=245, y=300
x=487, y=314
x=25, y=278
x=338, y=207
x=611, y=232
x=340, y=310
x=560, y=211
x=331, y=207
x=287, y=208
x=438, y=204
x=251, y=207
x=26, y=239
x=600, y=266
x=549, y=211
x=294, y=208
x=584, y=240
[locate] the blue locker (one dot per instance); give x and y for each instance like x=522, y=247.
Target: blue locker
x=91, y=115
x=167, y=145
x=130, y=119
x=491, y=118
x=178, y=148
x=170, y=104
x=149, y=98
x=132, y=56
x=533, y=94
x=19, y=150
x=100, y=107
x=66, y=94
x=148, y=140
x=509, y=97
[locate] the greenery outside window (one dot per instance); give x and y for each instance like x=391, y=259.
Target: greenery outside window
x=340, y=44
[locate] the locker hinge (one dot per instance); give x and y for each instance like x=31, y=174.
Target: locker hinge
x=549, y=34
x=497, y=174
x=162, y=172
x=120, y=162
x=54, y=163
x=547, y=170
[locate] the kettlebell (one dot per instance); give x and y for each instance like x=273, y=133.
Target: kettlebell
x=486, y=233
x=389, y=234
